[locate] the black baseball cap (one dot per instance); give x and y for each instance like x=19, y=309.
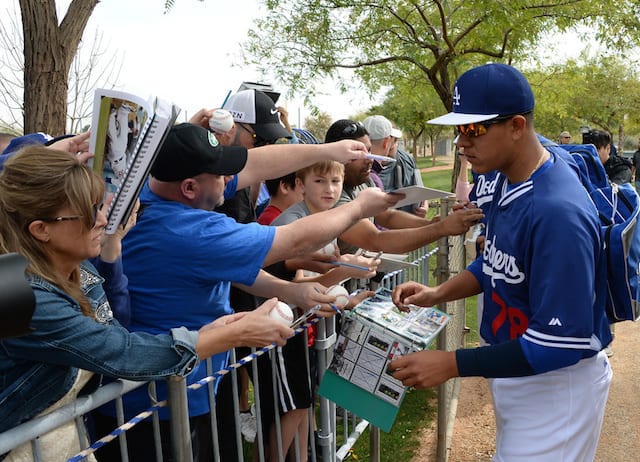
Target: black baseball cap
x=257, y=109
x=190, y=150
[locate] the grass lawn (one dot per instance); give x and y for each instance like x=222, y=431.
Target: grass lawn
x=440, y=179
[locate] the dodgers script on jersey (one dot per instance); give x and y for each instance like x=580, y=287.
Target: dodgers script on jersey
x=541, y=269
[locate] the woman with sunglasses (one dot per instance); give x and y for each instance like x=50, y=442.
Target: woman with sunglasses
x=49, y=213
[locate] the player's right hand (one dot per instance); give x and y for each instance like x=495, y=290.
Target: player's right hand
x=412, y=293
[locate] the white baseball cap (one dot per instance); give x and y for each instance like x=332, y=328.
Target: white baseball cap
x=379, y=127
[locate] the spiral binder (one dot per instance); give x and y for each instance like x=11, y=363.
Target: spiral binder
x=136, y=149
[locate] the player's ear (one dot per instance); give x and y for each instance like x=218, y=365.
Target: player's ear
x=518, y=125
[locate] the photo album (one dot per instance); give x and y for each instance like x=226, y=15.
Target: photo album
x=372, y=334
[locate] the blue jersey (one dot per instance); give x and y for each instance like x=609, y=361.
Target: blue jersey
x=542, y=270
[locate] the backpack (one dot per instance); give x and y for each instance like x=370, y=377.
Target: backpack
x=618, y=208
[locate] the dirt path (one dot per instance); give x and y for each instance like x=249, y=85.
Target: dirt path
x=474, y=429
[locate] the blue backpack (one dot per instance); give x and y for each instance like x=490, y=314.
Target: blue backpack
x=618, y=209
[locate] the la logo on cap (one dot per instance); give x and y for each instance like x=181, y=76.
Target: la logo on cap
x=213, y=141
x=456, y=96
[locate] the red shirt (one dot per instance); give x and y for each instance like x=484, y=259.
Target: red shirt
x=269, y=214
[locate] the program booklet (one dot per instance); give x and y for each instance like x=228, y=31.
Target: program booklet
x=126, y=134
x=372, y=334
x=415, y=194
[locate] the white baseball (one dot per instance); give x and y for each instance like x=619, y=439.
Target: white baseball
x=221, y=121
x=282, y=312
x=341, y=294
x=329, y=249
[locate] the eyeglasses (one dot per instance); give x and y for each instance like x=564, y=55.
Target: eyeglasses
x=476, y=129
x=59, y=219
x=257, y=141
x=353, y=128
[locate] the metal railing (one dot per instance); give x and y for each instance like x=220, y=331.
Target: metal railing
x=331, y=445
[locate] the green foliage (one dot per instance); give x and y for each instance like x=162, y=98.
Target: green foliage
x=318, y=124
x=385, y=40
x=601, y=92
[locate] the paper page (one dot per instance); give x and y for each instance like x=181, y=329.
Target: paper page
x=415, y=194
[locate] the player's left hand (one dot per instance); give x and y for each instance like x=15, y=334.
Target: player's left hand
x=412, y=293
x=425, y=369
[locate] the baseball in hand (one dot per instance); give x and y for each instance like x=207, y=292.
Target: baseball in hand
x=341, y=294
x=282, y=312
x=329, y=249
x=221, y=121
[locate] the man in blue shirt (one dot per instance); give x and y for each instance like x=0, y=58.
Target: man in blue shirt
x=182, y=256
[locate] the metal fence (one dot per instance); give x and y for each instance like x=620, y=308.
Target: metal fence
x=337, y=430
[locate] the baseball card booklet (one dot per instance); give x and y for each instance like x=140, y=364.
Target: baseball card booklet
x=126, y=134
x=373, y=333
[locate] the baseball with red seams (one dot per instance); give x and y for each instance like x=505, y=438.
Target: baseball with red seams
x=221, y=121
x=282, y=312
x=341, y=294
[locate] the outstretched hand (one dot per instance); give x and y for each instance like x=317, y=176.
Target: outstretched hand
x=255, y=328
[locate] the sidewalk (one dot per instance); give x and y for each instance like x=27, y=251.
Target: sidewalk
x=448, y=160
x=474, y=429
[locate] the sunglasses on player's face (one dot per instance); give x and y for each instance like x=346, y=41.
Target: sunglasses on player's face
x=476, y=129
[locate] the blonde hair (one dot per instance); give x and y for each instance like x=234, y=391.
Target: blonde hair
x=35, y=184
x=323, y=167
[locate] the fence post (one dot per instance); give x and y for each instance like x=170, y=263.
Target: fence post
x=442, y=274
x=179, y=413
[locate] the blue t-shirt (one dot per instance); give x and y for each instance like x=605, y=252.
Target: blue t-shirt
x=180, y=262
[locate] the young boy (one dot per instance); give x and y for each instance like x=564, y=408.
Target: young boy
x=321, y=185
x=283, y=193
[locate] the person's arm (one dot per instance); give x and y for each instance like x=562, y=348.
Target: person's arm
x=310, y=233
x=463, y=188
x=398, y=219
x=302, y=294
x=63, y=336
x=109, y=265
x=341, y=273
x=248, y=328
x=276, y=160
x=365, y=235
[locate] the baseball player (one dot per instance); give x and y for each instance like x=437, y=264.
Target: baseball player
x=542, y=274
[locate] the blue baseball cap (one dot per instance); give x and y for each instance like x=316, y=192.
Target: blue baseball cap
x=486, y=92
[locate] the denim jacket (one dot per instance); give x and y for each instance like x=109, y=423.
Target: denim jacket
x=38, y=369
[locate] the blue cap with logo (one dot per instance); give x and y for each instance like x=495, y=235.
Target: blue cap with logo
x=486, y=92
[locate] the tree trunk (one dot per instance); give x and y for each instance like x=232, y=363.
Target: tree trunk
x=49, y=50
